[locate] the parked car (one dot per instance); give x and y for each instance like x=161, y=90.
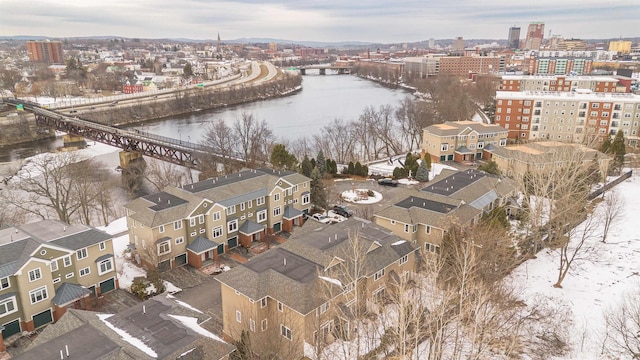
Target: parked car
x=342, y=210
x=321, y=218
x=388, y=182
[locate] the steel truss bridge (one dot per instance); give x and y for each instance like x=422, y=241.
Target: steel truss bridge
x=175, y=151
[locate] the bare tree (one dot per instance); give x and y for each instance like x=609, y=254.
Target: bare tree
x=613, y=208
x=337, y=141
x=255, y=139
x=162, y=174
x=623, y=326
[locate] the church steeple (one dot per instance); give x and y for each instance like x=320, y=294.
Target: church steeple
x=219, y=44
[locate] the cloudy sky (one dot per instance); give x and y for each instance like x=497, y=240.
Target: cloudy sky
x=318, y=20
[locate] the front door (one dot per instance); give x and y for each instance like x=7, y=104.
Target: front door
x=277, y=227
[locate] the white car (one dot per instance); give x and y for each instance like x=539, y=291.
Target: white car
x=321, y=218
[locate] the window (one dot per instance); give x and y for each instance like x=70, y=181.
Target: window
x=4, y=283
x=404, y=259
x=216, y=216
x=81, y=254
x=85, y=271
x=595, y=105
x=241, y=206
x=262, y=215
x=105, y=266
x=323, y=308
x=202, y=231
x=444, y=147
x=68, y=276
x=192, y=222
x=231, y=210
x=8, y=306
x=177, y=225
x=200, y=219
x=38, y=294
x=277, y=210
x=263, y=325
x=216, y=232
x=56, y=280
x=252, y=325
x=306, y=199
x=66, y=261
x=432, y=248
x=378, y=275
x=179, y=240
x=260, y=201
x=164, y=247
x=280, y=306
x=54, y=265
x=263, y=302
x=295, y=188
x=349, y=287
x=406, y=228
x=232, y=225
x=238, y=316
x=285, y=331
x=161, y=229
x=276, y=197
x=35, y=274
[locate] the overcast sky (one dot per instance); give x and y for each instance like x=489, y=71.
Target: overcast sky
x=318, y=20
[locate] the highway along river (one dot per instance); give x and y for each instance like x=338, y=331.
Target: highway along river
x=322, y=99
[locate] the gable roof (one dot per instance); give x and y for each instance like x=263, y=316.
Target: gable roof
x=451, y=128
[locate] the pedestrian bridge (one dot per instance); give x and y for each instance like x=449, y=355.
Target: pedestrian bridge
x=175, y=151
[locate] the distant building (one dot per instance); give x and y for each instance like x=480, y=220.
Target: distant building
x=560, y=83
x=571, y=45
x=558, y=65
x=458, y=44
x=464, y=66
x=620, y=46
x=49, y=52
x=535, y=35
x=514, y=37
x=421, y=67
x=432, y=43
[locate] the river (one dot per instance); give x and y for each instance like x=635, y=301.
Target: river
x=322, y=99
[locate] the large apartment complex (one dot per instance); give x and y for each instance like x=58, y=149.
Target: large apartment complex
x=461, y=140
x=49, y=52
x=48, y=266
x=580, y=116
x=535, y=65
x=303, y=294
x=195, y=223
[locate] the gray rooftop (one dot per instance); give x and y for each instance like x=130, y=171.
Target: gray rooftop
x=291, y=213
x=455, y=182
x=163, y=201
x=218, y=181
x=286, y=263
x=426, y=204
x=69, y=292
x=249, y=227
x=202, y=244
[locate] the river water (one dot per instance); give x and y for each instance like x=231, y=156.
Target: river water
x=322, y=99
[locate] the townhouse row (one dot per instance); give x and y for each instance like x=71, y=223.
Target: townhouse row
x=196, y=223
x=47, y=267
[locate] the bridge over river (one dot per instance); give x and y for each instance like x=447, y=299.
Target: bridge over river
x=175, y=151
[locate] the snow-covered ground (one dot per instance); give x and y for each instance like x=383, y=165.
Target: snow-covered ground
x=359, y=196
x=385, y=168
x=596, y=283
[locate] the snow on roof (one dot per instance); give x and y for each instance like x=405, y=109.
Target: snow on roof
x=182, y=303
x=331, y=280
x=126, y=337
x=192, y=323
x=399, y=242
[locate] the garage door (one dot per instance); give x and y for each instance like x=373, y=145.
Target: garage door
x=181, y=259
x=164, y=265
x=220, y=249
x=42, y=319
x=107, y=285
x=277, y=227
x=233, y=242
x=11, y=328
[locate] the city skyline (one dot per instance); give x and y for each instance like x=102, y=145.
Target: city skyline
x=306, y=20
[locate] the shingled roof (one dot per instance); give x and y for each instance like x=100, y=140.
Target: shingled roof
x=291, y=272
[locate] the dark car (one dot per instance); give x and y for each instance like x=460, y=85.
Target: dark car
x=342, y=211
x=388, y=182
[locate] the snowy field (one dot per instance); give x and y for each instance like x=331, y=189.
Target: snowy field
x=596, y=283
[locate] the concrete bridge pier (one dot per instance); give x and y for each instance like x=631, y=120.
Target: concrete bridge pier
x=303, y=71
x=323, y=71
x=74, y=141
x=128, y=157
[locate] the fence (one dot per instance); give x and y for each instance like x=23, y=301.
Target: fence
x=611, y=184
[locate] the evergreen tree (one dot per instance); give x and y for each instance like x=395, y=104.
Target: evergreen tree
x=427, y=158
x=321, y=163
x=606, y=145
x=351, y=169
x=187, y=71
x=306, y=167
x=281, y=158
x=491, y=167
x=318, y=191
x=399, y=172
x=617, y=150
x=365, y=170
x=422, y=174
x=411, y=164
x=357, y=169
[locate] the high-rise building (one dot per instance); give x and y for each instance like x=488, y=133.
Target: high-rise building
x=49, y=52
x=514, y=37
x=458, y=44
x=535, y=35
x=432, y=43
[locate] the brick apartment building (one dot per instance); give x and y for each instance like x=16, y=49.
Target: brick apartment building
x=49, y=52
x=597, y=84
